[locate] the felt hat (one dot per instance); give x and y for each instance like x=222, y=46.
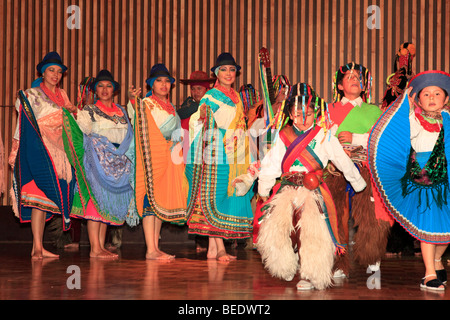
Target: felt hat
x=198, y=78
x=365, y=78
x=159, y=70
x=51, y=58
x=104, y=75
x=225, y=59
x=429, y=78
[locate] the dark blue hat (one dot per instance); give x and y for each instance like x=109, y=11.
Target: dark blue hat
x=425, y=79
x=51, y=58
x=225, y=59
x=104, y=75
x=159, y=70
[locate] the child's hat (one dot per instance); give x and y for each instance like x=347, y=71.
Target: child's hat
x=429, y=78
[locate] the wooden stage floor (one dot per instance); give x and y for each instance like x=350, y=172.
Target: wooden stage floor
x=189, y=277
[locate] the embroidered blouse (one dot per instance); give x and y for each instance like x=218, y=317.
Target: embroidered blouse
x=96, y=118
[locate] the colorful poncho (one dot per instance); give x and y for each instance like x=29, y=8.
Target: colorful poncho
x=160, y=183
x=103, y=172
x=218, y=154
x=43, y=178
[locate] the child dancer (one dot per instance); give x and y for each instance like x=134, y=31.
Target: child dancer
x=299, y=225
x=408, y=150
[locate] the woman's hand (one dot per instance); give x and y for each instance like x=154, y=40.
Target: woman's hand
x=134, y=93
x=202, y=112
x=71, y=108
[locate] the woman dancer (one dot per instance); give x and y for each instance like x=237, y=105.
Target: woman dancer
x=160, y=186
x=218, y=154
x=97, y=145
x=43, y=178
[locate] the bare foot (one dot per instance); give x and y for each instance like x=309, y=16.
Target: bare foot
x=103, y=254
x=224, y=257
x=158, y=255
x=41, y=254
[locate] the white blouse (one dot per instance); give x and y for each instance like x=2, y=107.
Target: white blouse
x=90, y=120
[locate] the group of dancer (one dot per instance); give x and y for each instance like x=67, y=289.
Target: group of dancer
x=292, y=187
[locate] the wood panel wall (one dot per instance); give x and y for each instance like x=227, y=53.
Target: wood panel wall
x=307, y=39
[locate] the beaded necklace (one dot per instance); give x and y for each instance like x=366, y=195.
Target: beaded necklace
x=111, y=111
x=230, y=93
x=166, y=106
x=430, y=127
x=56, y=97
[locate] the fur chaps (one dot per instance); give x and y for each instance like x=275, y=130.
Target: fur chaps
x=337, y=185
x=316, y=251
x=371, y=234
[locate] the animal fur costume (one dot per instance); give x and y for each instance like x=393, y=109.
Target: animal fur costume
x=372, y=222
x=299, y=228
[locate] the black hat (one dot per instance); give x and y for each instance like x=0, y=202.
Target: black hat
x=159, y=70
x=225, y=59
x=104, y=75
x=51, y=58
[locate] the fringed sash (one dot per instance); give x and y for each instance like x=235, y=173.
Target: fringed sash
x=37, y=183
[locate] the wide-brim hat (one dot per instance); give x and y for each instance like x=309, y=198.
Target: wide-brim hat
x=159, y=70
x=104, y=75
x=429, y=78
x=198, y=78
x=225, y=59
x=51, y=58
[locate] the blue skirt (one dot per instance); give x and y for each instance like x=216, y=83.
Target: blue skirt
x=423, y=210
